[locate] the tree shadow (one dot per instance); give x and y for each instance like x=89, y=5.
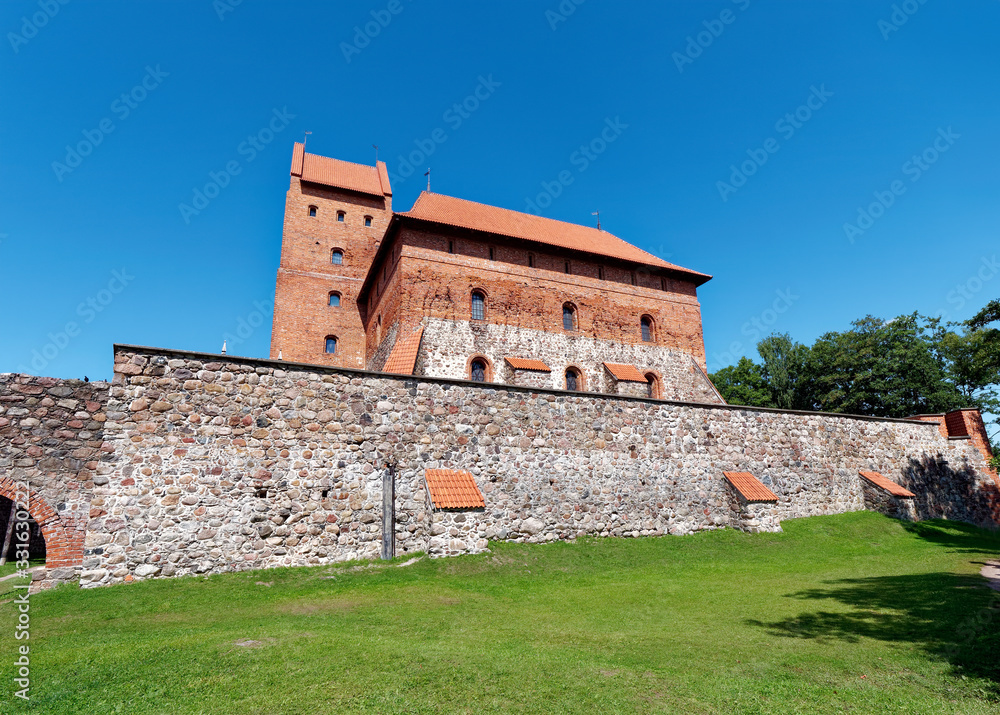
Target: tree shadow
x=957, y=536
x=954, y=492
x=948, y=616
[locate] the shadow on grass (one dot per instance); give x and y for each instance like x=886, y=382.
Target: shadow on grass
x=957, y=536
x=949, y=616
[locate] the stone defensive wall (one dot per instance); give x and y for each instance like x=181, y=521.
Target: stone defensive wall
x=197, y=463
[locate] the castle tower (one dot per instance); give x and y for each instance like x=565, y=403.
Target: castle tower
x=336, y=214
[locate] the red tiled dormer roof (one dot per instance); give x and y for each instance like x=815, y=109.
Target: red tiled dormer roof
x=504, y=222
x=749, y=487
x=625, y=373
x=526, y=364
x=890, y=486
x=403, y=357
x=451, y=489
x=341, y=174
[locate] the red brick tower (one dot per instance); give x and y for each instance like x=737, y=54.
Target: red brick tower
x=336, y=214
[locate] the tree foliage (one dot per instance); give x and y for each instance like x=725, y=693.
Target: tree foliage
x=886, y=368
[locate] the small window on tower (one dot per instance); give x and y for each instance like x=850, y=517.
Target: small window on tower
x=600, y=272
x=331, y=345
x=341, y=216
x=569, y=317
x=451, y=246
x=312, y=210
x=368, y=220
x=567, y=266
x=334, y=299
x=647, y=329
x=531, y=260
x=337, y=257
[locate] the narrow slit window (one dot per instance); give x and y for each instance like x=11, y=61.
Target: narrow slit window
x=647, y=329
x=451, y=246
x=531, y=260
x=569, y=317
x=567, y=266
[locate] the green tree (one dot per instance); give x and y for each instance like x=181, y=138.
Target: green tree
x=743, y=384
x=784, y=370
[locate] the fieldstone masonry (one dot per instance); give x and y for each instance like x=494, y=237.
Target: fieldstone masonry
x=209, y=463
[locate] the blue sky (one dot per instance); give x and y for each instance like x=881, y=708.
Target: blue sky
x=95, y=250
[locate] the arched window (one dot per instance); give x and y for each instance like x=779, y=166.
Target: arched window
x=478, y=305
x=647, y=329
x=331, y=345
x=477, y=371
x=569, y=316
x=368, y=220
x=337, y=257
x=334, y=299
x=652, y=386
x=312, y=210
x=341, y=216
x=572, y=379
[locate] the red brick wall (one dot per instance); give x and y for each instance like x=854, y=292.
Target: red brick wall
x=302, y=315
x=431, y=282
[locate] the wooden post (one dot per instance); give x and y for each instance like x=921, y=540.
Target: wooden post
x=388, y=512
x=10, y=533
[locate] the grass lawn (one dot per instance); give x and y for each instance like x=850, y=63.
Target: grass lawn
x=851, y=613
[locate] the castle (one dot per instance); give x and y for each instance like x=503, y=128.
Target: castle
x=453, y=288
x=439, y=379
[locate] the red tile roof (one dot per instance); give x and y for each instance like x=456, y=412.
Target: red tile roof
x=504, y=222
x=890, y=486
x=403, y=357
x=749, y=487
x=451, y=489
x=341, y=174
x=625, y=373
x=526, y=364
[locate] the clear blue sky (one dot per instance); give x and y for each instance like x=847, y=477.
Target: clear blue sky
x=879, y=96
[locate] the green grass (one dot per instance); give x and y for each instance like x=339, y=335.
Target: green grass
x=852, y=613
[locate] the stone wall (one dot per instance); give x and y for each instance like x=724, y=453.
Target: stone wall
x=224, y=464
x=447, y=346
x=52, y=442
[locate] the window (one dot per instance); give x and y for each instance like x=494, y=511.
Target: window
x=478, y=305
x=478, y=370
x=312, y=210
x=341, y=216
x=451, y=246
x=368, y=220
x=652, y=386
x=572, y=379
x=567, y=266
x=633, y=277
x=331, y=345
x=600, y=272
x=337, y=257
x=569, y=317
x=334, y=299
x=647, y=329
x=531, y=260
x=491, y=253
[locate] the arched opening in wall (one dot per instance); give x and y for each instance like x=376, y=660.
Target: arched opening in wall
x=313, y=210
x=337, y=257
x=330, y=345
x=478, y=307
x=574, y=379
x=334, y=299
x=646, y=326
x=653, y=389
x=569, y=317
x=12, y=536
x=480, y=369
